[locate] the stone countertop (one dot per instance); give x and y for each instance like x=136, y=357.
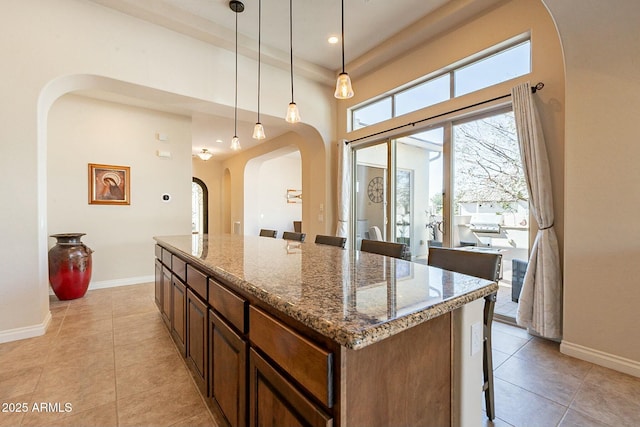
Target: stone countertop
x=354, y=298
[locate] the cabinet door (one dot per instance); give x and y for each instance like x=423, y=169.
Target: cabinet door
x=158, y=282
x=166, y=296
x=228, y=371
x=179, y=315
x=274, y=402
x=197, y=339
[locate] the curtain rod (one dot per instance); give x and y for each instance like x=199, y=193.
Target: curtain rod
x=534, y=89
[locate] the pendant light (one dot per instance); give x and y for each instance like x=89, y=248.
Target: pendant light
x=343, y=84
x=205, y=154
x=293, y=115
x=237, y=7
x=258, y=129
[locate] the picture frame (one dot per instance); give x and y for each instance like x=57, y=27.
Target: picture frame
x=109, y=184
x=294, y=196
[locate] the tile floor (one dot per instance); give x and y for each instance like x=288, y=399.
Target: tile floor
x=110, y=356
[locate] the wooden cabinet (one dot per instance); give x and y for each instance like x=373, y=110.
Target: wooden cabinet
x=179, y=314
x=158, y=285
x=275, y=402
x=309, y=364
x=166, y=296
x=228, y=371
x=197, y=339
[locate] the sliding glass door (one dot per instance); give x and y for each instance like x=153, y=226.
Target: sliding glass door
x=418, y=207
x=399, y=191
x=490, y=198
x=371, y=192
x=458, y=184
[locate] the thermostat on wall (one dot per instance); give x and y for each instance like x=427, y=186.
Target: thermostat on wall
x=166, y=197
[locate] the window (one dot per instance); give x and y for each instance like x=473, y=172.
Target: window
x=502, y=66
x=423, y=95
x=472, y=75
x=373, y=113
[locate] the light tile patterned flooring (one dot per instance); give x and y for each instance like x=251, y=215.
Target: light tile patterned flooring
x=111, y=357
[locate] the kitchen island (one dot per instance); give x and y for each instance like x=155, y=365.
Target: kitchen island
x=279, y=332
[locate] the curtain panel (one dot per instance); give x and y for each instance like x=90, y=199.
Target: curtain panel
x=540, y=304
x=344, y=189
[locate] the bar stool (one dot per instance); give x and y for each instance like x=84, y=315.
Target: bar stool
x=331, y=240
x=268, y=233
x=484, y=265
x=290, y=235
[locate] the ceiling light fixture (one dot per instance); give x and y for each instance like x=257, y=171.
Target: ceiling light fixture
x=333, y=39
x=343, y=84
x=258, y=129
x=205, y=154
x=237, y=7
x=293, y=115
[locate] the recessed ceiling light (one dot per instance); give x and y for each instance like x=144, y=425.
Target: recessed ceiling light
x=219, y=141
x=333, y=39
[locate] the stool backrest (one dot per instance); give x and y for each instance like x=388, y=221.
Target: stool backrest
x=485, y=265
x=290, y=235
x=331, y=240
x=396, y=250
x=268, y=233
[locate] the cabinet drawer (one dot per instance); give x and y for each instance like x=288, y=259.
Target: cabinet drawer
x=306, y=362
x=179, y=267
x=158, y=251
x=166, y=257
x=197, y=281
x=274, y=401
x=231, y=306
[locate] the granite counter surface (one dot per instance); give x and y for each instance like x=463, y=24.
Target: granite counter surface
x=354, y=298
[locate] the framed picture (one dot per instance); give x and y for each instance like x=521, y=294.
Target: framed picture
x=109, y=185
x=294, y=196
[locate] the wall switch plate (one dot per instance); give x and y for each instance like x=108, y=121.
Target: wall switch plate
x=476, y=338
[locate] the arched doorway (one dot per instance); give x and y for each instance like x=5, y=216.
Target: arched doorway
x=199, y=207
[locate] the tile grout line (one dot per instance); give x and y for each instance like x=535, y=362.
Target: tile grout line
x=115, y=371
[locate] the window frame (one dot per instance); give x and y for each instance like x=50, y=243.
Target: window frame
x=449, y=71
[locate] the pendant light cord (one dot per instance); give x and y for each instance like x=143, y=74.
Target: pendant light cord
x=259, y=53
x=291, y=42
x=235, y=109
x=342, y=36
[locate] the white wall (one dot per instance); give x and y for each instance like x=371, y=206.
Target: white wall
x=601, y=272
x=53, y=47
x=82, y=131
x=275, y=177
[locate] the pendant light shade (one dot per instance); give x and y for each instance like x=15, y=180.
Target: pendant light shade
x=205, y=154
x=258, y=129
x=343, y=84
x=293, y=115
x=235, y=143
x=237, y=7
x=343, y=87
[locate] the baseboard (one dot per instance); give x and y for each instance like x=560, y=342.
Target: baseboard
x=26, y=332
x=628, y=366
x=121, y=282
x=116, y=282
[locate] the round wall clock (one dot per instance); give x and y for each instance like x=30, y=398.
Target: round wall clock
x=376, y=189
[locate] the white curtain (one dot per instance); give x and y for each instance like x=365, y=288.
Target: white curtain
x=344, y=189
x=540, y=304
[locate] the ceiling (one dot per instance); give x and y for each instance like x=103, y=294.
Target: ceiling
x=368, y=25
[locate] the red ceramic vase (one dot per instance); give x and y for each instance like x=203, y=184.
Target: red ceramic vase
x=69, y=266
